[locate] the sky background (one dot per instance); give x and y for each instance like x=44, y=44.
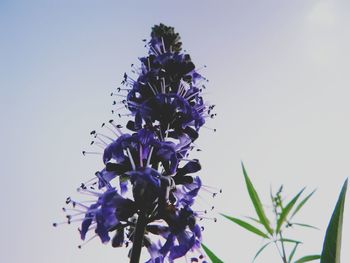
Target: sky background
x=279, y=75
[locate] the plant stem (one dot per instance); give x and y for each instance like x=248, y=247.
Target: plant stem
x=284, y=257
x=278, y=249
x=138, y=238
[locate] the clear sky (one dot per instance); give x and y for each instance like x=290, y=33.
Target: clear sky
x=279, y=75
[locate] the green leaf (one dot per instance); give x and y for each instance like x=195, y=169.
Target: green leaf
x=261, y=250
x=332, y=241
x=282, y=218
x=211, y=255
x=246, y=225
x=305, y=225
x=291, y=255
x=253, y=219
x=302, y=203
x=256, y=202
x=308, y=258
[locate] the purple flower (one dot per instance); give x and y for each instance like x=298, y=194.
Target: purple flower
x=147, y=180
x=109, y=211
x=146, y=186
x=167, y=93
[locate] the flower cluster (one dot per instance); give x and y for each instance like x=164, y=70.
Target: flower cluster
x=148, y=181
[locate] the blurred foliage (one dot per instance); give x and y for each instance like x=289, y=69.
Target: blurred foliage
x=283, y=211
x=332, y=241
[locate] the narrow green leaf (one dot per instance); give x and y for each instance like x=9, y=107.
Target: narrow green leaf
x=308, y=258
x=253, y=219
x=256, y=202
x=211, y=255
x=282, y=218
x=246, y=225
x=291, y=255
x=305, y=225
x=261, y=250
x=332, y=242
x=302, y=203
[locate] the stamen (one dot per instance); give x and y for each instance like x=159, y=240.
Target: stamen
x=201, y=68
x=163, y=85
x=68, y=222
x=141, y=157
x=191, y=96
x=167, y=131
x=83, y=244
x=160, y=136
x=212, y=187
x=129, y=80
x=154, y=90
x=58, y=224
x=92, y=181
x=137, y=105
x=120, y=108
x=163, y=45
x=103, y=125
x=75, y=203
x=119, y=89
x=74, y=215
x=88, y=192
x=189, y=160
x=199, y=108
x=96, y=134
x=135, y=70
x=99, y=144
x=158, y=49
x=116, y=126
x=100, y=139
x=118, y=95
x=131, y=159
x=212, y=193
x=118, y=102
x=123, y=115
x=149, y=157
x=182, y=88
x=212, y=129
x=202, y=212
x=209, y=218
x=154, y=50
x=85, y=153
x=72, y=209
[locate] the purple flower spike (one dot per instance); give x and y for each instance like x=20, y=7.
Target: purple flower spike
x=146, y=189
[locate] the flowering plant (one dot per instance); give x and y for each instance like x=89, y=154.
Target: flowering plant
x=147, y=188
x=145, y=192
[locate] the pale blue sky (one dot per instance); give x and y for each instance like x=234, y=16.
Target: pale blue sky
x=279, y=75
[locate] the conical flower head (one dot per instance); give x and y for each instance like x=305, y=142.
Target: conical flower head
x=147, y=174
